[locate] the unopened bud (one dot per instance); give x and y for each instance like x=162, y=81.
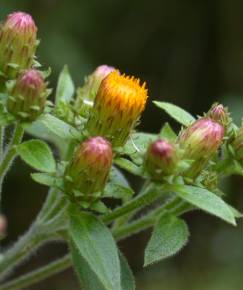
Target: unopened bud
x=117, y=107
x=17, y=43
x=88, y=171
x=200, y=142
x=28, y=96
x=87, y=93
x=97, y=76
x=219, y=114
x=161, y=159
x=238, y=146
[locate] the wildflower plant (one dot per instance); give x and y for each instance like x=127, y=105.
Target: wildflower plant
x=93, y=132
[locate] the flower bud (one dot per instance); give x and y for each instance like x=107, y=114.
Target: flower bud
x=88, y=171
x=219, y=114
x=17, y=43
x=28, y=96
x=117, y=107
x=87, y=93
x=98, y=75
x=200, y=142
x=161, y=159
x=238, y=146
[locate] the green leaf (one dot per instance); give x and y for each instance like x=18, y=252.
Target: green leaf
x=58, y=127
x=118, y=186
x=127, y=279
x=97, y=254
x=37, y=154
x=206, y=201
x=128, y=165
x=117, y=177
x=44, y=178
x=177, y=113
x=65, y=86
x=169, y=236
x=236, y=213
x=137, y=146
x=167, y=133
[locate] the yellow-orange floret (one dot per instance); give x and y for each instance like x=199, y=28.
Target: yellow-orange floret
x=118, y=105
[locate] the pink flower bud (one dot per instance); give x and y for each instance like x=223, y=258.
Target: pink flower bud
x=200, y=142
x=88, y=171
x=161, y=159
x=28, y=96
x=219, y=114
x=17, y=43
x=91, y=86
x=102, y=71
x=238, y=146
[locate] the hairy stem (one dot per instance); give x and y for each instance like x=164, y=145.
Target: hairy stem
x=175, y=206
x=24, y=246
x=147, y=197
x=38, y=275
x=11, y=152
x=41, y=231
x=12, y=257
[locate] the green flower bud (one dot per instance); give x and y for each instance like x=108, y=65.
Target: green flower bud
x=28, y=96
x=161, y=159
x=238, y=146
x=17, y=44
x=219, y=114
x=200, y=142
x=88, y=171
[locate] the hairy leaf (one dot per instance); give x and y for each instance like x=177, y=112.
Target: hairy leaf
x=37, y=154
x=205, y=200
x=170, y=234
x=97, y=252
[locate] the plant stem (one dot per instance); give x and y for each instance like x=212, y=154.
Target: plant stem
x=174, y=206
x=23, y=247
x=147, y=197
x=2, y=130
x=16, y=254
x=38, y=275
x=11, y=152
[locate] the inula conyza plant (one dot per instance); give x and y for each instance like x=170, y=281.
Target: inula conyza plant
x=93, y=130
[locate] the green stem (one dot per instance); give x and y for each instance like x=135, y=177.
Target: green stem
x=11, y=152
x=148, y=220
x=38, y=275
x=174, y=206
x=125, y=218
x=14, y=255
x=147, y=197
x=22, y=248
x=2, y=130
x=40, y=232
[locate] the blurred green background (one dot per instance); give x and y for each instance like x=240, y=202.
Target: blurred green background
x=190, y=53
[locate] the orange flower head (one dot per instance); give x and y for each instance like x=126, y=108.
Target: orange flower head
x=118, y=105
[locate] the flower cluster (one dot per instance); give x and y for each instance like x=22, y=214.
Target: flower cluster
x=23, y=83
x=94, y=134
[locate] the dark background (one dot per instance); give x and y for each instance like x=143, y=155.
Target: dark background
x=190, y=53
